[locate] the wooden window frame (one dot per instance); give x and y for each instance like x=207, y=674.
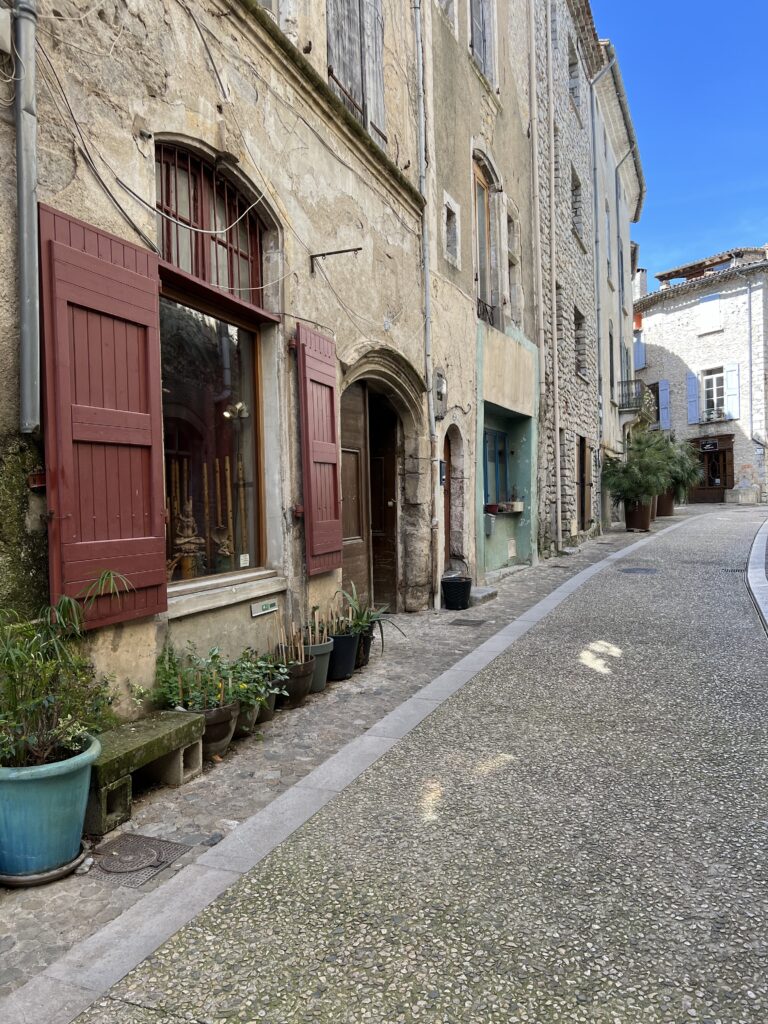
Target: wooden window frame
x=485, y=305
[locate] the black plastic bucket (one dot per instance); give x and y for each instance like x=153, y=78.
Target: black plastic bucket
x=456, y=591
x=342, y=661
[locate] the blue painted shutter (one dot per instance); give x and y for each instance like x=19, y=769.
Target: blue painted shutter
x=732, y=404
x=664, y=416
x=639, y=353
x=692, y=387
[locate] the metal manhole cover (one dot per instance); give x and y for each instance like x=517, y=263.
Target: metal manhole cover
x=132, y=859
x=468, y=622
x=637, y=571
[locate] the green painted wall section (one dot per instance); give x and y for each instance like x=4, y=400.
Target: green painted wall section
x=513, y=538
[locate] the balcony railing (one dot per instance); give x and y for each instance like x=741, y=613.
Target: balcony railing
x=636, y=397
x=486, y=312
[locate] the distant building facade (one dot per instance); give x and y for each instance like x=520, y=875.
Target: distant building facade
x=700, y=346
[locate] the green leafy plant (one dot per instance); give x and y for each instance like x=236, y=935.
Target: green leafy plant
x=364, y=617
x=50, y=696
x=644, y=472
x=197, y=683
x=686, y=470
x=255, y=677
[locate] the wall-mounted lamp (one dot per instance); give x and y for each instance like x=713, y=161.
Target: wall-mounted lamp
x=236, y=411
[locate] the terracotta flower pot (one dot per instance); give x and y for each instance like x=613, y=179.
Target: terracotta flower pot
x=219, y=728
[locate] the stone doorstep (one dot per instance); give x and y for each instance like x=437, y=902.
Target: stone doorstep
x=167, y=744
x=482, y=595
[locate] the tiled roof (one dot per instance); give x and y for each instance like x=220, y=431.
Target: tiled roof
x=640, y=305
x=717, y=258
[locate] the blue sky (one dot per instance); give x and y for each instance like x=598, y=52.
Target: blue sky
x=695, y=74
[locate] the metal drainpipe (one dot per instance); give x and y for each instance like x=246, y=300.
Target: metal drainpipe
x=553, y=284
x=744, y=277
x=422, y=153
x=595, y=202
x=25, y=24
x=619, y=252
x=536, y=197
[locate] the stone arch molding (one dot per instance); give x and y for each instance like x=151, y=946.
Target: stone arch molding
x=391, y=375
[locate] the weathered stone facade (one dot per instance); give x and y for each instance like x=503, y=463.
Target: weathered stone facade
x=255, y=97
x=683, y=336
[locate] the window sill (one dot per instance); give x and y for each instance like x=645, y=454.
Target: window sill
x=219, y=591
x=579, y=239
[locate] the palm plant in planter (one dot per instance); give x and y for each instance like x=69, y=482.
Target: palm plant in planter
x=645, y=472
x=51, y=704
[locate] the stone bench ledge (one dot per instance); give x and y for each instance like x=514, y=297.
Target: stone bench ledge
x=133, y=745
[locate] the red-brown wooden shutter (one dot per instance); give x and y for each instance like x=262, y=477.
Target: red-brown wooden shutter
x=320, y=450
x=103, y=417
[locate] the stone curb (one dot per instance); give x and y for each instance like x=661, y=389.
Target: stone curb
x=61, y=992
x=757, y=582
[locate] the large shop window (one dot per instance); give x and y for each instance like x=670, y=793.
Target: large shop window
x=211, y=409
x=496, y=477
x=209, y=412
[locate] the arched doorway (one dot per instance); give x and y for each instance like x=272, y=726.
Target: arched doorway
x=386, y=510
x=453, y=497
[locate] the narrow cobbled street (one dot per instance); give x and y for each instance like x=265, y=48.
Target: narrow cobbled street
x=577, y=835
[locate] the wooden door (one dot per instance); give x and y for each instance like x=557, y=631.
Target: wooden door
x=356, y=565
x=382, y=433
x=447, y=499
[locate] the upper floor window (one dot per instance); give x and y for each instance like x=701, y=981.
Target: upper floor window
x=451, y=231
x=356, y=61
x=514, y=271
x=486, y=247
x=709, y=317
x=714, y=389
x=577, y=205
x=481, y=35
x=205, y=226
x=574, y=83
x=611, y=360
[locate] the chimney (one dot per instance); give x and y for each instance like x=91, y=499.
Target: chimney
x=640, y=284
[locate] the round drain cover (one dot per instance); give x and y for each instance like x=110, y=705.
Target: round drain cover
x=130, y=859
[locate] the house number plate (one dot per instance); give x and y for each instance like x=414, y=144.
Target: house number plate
x=263, y=608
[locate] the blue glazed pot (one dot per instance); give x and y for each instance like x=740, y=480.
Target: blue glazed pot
x=42, y=811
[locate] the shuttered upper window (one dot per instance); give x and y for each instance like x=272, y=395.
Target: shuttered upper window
x=356, y=61
x=205, y=226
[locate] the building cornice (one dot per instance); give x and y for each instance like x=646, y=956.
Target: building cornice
x=699, y=283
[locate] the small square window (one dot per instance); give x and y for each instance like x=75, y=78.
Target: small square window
x=451, y=232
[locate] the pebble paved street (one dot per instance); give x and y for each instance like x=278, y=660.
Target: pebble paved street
x=578, y=835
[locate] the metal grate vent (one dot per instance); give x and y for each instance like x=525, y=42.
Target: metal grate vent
x=639, y=571
x=133, y=859
x=468, y=622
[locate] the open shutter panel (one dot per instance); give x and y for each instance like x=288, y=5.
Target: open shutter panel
x=103, y=417
x=477, y=41
x=320, y=450
x=664, y=415
x=374, y=70
x=732, y=402
x=692, y=389
x=639, y=353
x=345, y=40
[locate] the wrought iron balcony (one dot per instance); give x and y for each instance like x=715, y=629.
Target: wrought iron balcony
x=636, y=397
x=486, y=312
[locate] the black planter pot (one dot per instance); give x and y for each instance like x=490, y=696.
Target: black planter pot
x=343, y=656
x=364, y=649
x=267, y=710
x=456, y=591
x=246, y=721
x=219, y=728
x=297, y=684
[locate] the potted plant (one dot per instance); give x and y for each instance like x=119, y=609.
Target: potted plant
x=318, y=645
x=345, y=643
x=635, y=480
x=456, y=587
x=254, y=678
x=685, y=473
x=299, y=668
x=201, y=684
x=51, y=704
x=365, y=618
x=276, y=675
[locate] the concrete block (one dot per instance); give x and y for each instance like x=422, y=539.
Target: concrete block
x=482, y=595
x=178, y=766
x=108, y=806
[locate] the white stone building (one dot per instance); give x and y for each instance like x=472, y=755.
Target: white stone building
x=700, y=345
